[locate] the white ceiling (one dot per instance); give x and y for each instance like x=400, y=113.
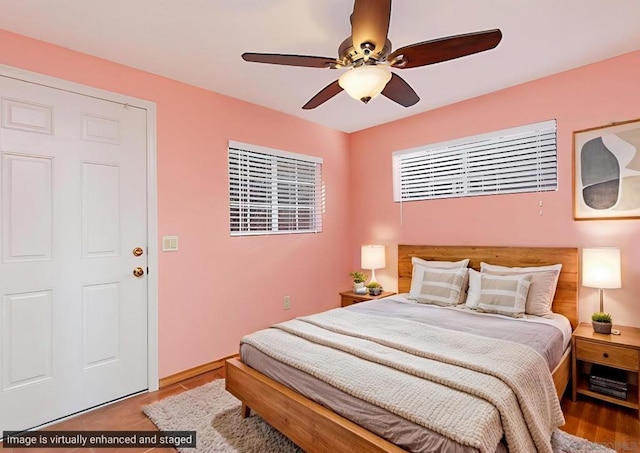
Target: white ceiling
x=200, y=42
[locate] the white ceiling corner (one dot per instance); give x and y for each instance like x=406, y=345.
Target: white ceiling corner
x=200, y=42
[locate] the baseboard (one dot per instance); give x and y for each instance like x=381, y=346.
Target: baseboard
x=195, y=371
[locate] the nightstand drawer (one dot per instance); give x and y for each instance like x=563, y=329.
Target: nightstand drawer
x=346, y=301
x=350, y=298
x=607, y=354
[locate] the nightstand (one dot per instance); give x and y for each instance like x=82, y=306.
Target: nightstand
x=350, y=298
x=621, y=352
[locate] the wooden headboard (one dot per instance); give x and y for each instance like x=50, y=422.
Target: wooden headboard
x=565, y=301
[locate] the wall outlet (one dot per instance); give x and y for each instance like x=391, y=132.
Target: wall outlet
x=287, y=302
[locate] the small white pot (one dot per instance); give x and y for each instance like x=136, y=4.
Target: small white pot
x=360, y=288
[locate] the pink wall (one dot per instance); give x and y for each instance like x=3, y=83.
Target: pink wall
x=590, y=96
x=217, y=288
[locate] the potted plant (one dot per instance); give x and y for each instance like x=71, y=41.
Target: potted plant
x=358, y=282
x=375, y=288
x=601, y=322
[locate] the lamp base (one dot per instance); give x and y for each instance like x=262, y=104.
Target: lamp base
x=601, y=300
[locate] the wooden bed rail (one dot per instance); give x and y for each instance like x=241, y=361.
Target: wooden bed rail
x=311, y=426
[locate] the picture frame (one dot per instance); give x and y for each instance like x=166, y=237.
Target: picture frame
x=606, y=172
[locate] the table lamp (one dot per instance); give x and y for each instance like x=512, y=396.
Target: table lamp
x=372, y=257
x=601, y=269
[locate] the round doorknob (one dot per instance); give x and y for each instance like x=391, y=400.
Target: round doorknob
x=138, y=272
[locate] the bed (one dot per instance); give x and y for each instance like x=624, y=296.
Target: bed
x=314, y=427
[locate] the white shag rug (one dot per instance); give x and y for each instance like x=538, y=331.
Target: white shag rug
x=214, y=414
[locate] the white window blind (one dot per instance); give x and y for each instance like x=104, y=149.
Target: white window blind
x=522, y=159
x=273, y=191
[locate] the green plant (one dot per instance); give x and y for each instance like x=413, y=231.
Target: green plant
x=358, y=277
x=601, y=317
x=374, y=285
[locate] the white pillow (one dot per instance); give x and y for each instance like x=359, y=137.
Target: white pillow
x=442, y=287
x=544, y=280
x=440, y=264
x=504, y=294
x=420, y=265
x=473, y=293
x=498, y=268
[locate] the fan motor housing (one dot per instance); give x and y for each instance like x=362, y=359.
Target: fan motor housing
x=349, y=54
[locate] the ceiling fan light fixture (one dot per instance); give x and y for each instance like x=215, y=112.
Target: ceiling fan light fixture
x=368, y=52
x=365, y=82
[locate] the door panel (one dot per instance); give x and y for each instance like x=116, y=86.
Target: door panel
x=27, y=116
x=100, y=324
x=27, y=331
x=26, y=207
x=96, y=129
x=100, y=210
x=73, y=316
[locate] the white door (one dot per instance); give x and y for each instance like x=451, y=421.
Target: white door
x=73, y=317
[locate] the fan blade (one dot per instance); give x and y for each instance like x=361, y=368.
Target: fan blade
x=290, y=60
x=370, y=24
x=399, y=91
x=443, y=49
x=323, y=96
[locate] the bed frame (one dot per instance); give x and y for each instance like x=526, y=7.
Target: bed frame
x=317, y=429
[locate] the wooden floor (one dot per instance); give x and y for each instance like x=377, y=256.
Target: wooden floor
x=125, y=415
x=615, y=427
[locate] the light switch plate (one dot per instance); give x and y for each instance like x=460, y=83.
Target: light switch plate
x=169, y=243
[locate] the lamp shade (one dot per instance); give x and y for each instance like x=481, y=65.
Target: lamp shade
x=365, y=82
x=372, y=257
x=601, y=268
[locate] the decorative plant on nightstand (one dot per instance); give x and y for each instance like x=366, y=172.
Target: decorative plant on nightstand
x=358, y=282
x=375, y=288
x=601, y=322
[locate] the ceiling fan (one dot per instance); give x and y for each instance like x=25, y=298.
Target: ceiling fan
x=367, y=53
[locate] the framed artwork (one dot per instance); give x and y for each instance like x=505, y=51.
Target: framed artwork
x=606, y=172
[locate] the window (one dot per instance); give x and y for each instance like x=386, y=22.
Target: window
x=521, y=159
x=273, y=192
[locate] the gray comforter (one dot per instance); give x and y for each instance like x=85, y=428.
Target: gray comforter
x=545, y=339
x=409, y=435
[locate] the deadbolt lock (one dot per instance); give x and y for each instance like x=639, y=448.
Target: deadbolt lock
x=138, y=251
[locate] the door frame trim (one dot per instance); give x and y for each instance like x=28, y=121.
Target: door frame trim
x=152, y=193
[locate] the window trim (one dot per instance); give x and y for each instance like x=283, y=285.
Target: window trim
x=318, y=207
x=274, y=152
x=464, y=147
